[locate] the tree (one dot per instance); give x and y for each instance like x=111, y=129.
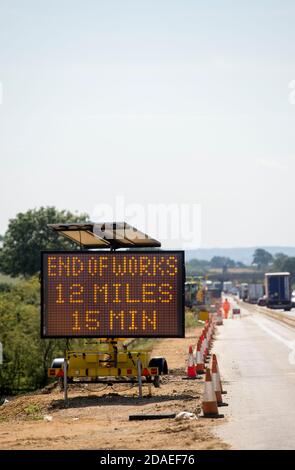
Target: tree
x=197, y=267
x=288, y=265
x=27, y=235
x=262, y=258
x=279, y=260
x=239, y=264
x=221, y=262
x=26, y=356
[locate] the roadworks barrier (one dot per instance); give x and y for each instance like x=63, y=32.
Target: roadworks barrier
x=214, y=361
x=209, y=403
x=219, y=319
x=200, y=366
x=217, y=384
x=191, y=368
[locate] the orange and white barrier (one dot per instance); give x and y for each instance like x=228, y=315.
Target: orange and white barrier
x=203, y=348
x=219, y=319
x=214, y=361
x=216, y=383
x=200, y=366
x=197, y=358
x=209, y=404
x=191, y=368
x=206, y=347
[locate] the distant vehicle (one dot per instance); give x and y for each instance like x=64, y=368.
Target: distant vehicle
x=217, y=285
x=254, y=292
x=215, y=290
x=57, y=363
x=190, y=293
x=278, y=290
x=293, y=299
x=243, y=291
x=227, y=285
x=262, y=301
x=214, y=296
x=234, y=290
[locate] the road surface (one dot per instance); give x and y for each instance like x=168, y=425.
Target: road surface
x=257, y=360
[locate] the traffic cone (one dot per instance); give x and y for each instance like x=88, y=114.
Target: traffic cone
x=209, y=404
x=214, y=361
x=208, y=343
x=200, y=367
x=216, y=384
x=210, y=335
x=206, y=350
x=203, y=352
x=209, y=340
x=191, y=368
x=219, y=319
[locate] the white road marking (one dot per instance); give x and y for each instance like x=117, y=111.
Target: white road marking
x=261, y=324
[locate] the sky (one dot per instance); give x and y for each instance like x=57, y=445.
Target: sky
x=147, y=103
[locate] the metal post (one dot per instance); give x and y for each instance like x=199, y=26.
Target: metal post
x=150, y=389
x=65, y=380
x=139, y=378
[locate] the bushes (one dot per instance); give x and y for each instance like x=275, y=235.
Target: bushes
x=26, y=356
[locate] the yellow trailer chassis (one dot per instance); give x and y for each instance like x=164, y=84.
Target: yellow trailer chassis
x=111, y=364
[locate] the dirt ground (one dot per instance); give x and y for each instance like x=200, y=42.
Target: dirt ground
x=98, y=417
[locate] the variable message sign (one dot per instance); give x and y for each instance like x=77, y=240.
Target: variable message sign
x=112, y=294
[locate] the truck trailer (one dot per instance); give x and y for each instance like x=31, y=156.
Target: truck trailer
x=278, y=290
x=254, y=292
x=243, y=291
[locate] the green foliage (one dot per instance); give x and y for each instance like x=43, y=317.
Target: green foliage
x=221, y=262
x=145, y=344
x=262, y=258
x=191, y=319
x=5, y=287
x=279, y=261
x=197, y=267
x=27, y=234
x=4, y=279
x=239, y=264
x=26, y=356
x=287, y=264
x=33, y=411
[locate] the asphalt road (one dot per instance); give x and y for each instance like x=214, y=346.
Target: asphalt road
x=257, y=361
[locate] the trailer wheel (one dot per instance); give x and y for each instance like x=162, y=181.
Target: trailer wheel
x=161, y=363
x=153, y=379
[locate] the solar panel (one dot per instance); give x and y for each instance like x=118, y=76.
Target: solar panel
x=105, y=235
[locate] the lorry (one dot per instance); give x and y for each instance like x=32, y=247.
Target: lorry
x=278, y=290
x=191, y=289
x=227, y=286
x=254, y=292
x=216, y=289
x=243, y=291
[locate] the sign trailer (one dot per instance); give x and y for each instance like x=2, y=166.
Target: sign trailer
x=111, y=295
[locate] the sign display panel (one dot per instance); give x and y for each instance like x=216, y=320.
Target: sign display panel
x=112, y=294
